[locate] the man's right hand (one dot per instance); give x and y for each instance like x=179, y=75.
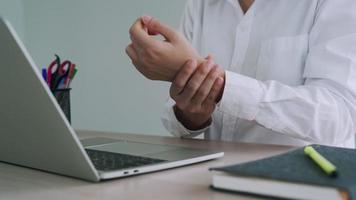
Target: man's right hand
x=196, y=90
x=158, y=59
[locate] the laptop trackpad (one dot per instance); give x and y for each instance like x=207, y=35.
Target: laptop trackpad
x=132, y=148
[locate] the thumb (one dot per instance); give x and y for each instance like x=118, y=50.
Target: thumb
x=155, y=27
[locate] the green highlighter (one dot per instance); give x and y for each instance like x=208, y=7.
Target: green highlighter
x=321, y=161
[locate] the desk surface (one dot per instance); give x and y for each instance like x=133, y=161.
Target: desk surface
x=190, y=182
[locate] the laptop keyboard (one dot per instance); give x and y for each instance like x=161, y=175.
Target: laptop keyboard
x=107, y=161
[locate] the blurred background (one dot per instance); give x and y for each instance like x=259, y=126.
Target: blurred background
x=108, y=93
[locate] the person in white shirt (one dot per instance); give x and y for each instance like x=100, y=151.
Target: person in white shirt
x=280, y=71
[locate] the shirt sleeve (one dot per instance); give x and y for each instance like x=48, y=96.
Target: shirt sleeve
x=169, y=119
x=174, y=126
x=323, y=110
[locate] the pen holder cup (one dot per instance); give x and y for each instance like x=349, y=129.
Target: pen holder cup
x=63, y=99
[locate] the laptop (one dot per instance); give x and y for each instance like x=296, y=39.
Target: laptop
x=35, y=133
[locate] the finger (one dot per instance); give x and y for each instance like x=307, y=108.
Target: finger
x=183, y=77
x=155, y=26
x=130, y=51
x=138, y=34
x=206, y=86
x=214, y=92
x=146, y=19
x=196, y=80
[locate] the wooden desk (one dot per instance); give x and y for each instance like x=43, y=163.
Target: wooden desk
x=190, y=182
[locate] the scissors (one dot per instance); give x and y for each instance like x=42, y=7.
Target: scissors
x=64, y=79
x=58, y=72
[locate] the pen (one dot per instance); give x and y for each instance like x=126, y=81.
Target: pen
x=44, y=74
x=321, y=161
x=73, y=75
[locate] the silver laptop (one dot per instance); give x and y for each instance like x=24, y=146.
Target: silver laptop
x=35, y=133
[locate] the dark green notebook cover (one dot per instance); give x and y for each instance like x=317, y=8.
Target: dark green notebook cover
x=295, y=166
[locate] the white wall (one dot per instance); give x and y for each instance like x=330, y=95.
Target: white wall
x=13, y=11
x=108, y=93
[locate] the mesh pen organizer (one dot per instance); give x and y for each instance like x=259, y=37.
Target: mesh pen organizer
x=63, y=99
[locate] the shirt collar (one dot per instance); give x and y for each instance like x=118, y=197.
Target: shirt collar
x=238, y=8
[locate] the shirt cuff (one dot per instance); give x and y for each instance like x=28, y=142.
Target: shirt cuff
x=175, y=127
x=242, y=96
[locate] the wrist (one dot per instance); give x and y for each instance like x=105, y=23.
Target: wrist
x=191, y=121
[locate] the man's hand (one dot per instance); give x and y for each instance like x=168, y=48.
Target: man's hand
x=154, y=58
x=196, y=90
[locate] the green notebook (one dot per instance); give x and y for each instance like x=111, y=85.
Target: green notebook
x=292, y=175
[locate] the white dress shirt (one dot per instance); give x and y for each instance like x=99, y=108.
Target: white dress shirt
x=290, y=70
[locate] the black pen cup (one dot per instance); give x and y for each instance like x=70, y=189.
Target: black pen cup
x=63, y=99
